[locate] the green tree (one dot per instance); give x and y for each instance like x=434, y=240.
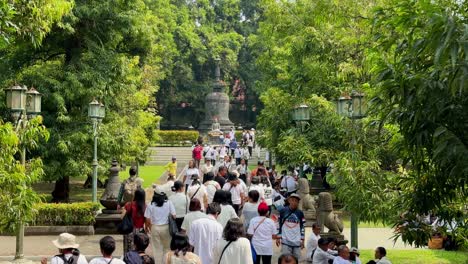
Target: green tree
x=421, y=77
x=111, y=50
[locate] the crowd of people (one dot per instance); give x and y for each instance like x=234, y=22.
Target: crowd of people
x=218, y=212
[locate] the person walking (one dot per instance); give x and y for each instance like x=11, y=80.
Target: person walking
x=312, y=242
x=255, y=185
x=136, y=209
x=262, y=230
x=227, y=211
x=198, y=190
x=197, y=154
x=243, y=171
x=194, y=213
x=191, y=170
x=237, y=155
x=171, y=167
x=211, y=186
x=107, y=245
x=320, y=255
x=157, y=224
x=221, y=176
x=291, y=228
x=180, y=202
x=233, y=248
x=205, y=232
x=233, y=186
x=206, y=168
x=180, y=252
x=68, y=251
x=289, y=182
x=250, y=209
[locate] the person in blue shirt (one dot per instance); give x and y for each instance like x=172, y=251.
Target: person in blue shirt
x=291, y=228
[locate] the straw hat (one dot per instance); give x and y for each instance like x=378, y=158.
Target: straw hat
x=65, y=240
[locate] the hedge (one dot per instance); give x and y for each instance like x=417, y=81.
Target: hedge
x=49, y=214
x=177, y=137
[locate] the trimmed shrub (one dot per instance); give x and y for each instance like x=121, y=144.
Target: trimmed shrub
x=49, y=214
x=175, y=137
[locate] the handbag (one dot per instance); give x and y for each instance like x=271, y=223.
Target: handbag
x=126, y=226
x=173, y=229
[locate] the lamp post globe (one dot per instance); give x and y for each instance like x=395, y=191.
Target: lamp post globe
x=16, y=98
x=33, y=101
x=343, y=105
x=93, y=110
x=301, y=113
x=358, y=104
x=102, y=111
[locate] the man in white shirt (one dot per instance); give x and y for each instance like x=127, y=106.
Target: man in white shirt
x=107, y=245
x=320, y=255
x=68, y=248
x=289, y=182
x=207, y=167
x=343, y=255
x=381, y=256
x=205, y=232
x=312, y=242
x=237, y=192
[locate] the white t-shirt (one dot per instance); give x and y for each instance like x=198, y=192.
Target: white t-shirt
x=188, y=173
x=102, y=260
x=259, y=189
x=189, y=218
x=268, y=194
x=235, y=192
x=57, y=260
x=340, y=260
x=321, y=257
x=238, y=153
x=227, y=213
x=200, y=195
x=250, y=211
x=262, y=239
x=203, y=236
x=290, y=183
x=160, y=215
x=181, y=203
x=211, y=188
x=311, y=244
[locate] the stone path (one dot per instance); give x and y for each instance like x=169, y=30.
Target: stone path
x=36, y=247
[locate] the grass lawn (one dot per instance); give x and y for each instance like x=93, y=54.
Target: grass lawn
x=150, y=174
x=419, y=256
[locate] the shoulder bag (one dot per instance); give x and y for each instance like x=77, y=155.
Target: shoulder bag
x=222, y=253
x=126, y=226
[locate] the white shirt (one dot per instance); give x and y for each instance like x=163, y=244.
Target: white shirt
x=242, y=169
x=340, y=260
x=200, y=195
x=222, y=152
x=160, y=215
x=290, y=183
x=206, y=168
x=238, y=252
x=102, y=260
x=203, y=236
x=189, y=218
x=312, y=244
x=259, y=189
x=181, y=203
x=268, y=194
x=249, y=211
x=188, y=173
x=227, y=141
x=384, y=260
x=235, y=192
x=262, y=238
x=211, y=188
x=321, y=257
x=227, y=213
x=57, y=260
x=238, y=153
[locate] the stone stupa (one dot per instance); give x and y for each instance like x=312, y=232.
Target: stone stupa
x=216, y=106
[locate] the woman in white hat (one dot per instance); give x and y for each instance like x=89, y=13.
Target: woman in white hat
x=68, y=249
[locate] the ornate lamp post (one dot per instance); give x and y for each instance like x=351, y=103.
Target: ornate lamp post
x=96, y=112
x=353, y=107
x=22, y=103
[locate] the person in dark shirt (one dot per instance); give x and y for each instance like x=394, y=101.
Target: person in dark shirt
x=221, y=176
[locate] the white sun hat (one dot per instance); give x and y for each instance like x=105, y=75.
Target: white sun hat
x=65, y=240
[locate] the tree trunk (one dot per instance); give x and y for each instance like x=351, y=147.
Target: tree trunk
x=61, y=192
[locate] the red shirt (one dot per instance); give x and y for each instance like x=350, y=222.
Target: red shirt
x=138, y=220
x=197, y=152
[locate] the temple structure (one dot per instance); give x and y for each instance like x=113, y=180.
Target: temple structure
x=216, y=106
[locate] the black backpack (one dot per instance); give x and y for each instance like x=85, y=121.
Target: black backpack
x=72, y=260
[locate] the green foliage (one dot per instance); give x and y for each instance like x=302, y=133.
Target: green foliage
x=16, y=195
x=22, y=20
x=167, y=137
x=108, y=50
x=65, y=214
x=422, y=86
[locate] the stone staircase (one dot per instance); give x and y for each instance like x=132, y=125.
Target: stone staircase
x=162, y=155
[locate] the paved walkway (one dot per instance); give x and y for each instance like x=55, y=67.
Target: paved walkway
x=36, y=247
